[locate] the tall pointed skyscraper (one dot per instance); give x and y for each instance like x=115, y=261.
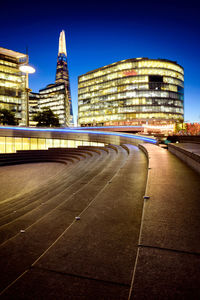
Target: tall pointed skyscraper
x=57, y=96
x=62, y=73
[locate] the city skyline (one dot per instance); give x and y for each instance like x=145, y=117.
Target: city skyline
x=98, y=36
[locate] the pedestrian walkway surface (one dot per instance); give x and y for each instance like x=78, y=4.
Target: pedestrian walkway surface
x=168, y=261
x=88, y=233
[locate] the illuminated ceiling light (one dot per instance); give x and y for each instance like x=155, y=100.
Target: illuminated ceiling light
x=27, y=69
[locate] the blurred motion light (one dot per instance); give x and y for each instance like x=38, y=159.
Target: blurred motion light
x=27, y=69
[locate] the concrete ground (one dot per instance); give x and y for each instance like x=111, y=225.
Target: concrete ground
x=91, y=258
x=23, y=178
x=191, y=147
x=120, y=246
x=168, y=258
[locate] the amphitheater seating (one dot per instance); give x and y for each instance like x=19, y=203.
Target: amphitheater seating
x=86, y=231
x=32, y=222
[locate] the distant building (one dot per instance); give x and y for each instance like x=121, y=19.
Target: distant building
x=57, y=96
x=33, y=107
x=13, y=92
x=54, y=97
x=132, y=92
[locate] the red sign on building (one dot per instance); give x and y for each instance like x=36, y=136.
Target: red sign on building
x=130, y=73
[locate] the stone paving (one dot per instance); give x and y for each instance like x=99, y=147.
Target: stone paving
x=92, y=257
x=168, y=261
x=87, y=233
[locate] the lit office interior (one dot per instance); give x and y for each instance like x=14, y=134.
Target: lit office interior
x=12, y=144
x=132, y=92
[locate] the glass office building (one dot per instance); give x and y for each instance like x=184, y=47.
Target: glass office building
x=13, y=83
x=132, y=92
x=55, y=97
x=33, y=107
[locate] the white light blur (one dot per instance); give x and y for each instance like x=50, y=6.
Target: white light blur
x=164, y=127
x=27, y=69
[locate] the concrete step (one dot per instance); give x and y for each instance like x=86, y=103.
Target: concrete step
x=98, y=248
x=51, y=185
x=67, y=187
x=56, y=221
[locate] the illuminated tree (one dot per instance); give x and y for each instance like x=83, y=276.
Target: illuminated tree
x=193, y=128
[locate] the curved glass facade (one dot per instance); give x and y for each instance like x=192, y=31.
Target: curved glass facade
x=132, y=92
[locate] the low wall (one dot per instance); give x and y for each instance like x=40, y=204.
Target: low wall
x=188, y=157
x=80, y=135
x=184, y=138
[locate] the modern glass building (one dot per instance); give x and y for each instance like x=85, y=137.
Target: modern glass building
x=54, y=97
x=132, y=92
x=13, y=83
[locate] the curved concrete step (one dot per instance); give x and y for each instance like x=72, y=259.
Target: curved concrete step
x=76, y=180
x=64, y=214
x=50, y=185
x=102, y=241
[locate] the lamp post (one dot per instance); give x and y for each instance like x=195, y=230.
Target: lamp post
x=27, y=70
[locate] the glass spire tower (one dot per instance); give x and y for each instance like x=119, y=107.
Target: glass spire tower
x=62, y=73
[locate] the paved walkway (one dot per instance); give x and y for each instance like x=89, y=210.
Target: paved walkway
x=168, y=261
x=121, y=247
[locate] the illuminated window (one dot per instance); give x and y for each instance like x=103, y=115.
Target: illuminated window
x=33, y=144
x=2, y=144
x=26, y=143
x=114, y=91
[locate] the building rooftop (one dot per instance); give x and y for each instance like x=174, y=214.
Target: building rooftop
x=11, y=53
x=50, y=86
x=130, y=60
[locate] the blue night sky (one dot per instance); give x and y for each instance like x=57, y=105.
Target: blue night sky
x=102, y=32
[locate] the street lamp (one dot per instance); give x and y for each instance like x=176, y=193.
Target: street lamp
x=27, y=70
